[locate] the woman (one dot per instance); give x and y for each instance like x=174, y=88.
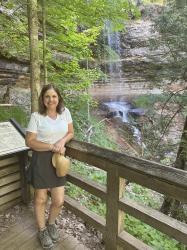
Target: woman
x=48, y=131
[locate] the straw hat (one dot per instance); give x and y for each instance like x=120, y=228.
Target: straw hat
x=61, y=163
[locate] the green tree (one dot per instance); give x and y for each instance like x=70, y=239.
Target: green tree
x=172, y=26
x=34, y=54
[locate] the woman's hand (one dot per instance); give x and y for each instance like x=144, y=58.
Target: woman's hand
x=59, y=147
x=60, y=151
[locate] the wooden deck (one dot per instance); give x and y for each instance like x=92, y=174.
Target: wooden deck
x=23, y=236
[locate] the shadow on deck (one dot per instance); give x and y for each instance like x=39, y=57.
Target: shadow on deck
x=23, y=236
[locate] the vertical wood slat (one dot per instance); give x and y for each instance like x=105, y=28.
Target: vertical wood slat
x=25, y=189
x=114, y=217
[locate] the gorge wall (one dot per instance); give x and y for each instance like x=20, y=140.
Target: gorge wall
x=141, y=68
x=138, y=69
x=14, y=82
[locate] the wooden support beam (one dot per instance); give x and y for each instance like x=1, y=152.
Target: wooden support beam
x=156, y=219
x=129, y=242
x=114, y=217
x=88, y=185
x=25, y=187
x=88, y=216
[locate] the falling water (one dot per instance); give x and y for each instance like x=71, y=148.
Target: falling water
x=113, y=41
x=121, y=110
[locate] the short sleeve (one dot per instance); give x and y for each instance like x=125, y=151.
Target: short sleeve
x=68, y=116
x=33, y=123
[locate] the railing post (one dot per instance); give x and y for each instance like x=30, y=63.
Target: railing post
x=114, y=216
x=25, y=190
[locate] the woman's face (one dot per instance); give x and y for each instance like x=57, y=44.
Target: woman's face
x=50, y=99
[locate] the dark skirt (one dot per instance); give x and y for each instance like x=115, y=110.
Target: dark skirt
x=42, y=173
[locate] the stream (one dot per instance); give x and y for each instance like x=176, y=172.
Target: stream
x=122, y=109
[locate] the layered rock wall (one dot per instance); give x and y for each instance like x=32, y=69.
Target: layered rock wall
x=14, y=82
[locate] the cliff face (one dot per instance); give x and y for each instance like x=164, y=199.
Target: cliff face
x=138, y=70
x=139, y=61
x=14, y=82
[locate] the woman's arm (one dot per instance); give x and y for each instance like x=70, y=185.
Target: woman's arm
x=31, y=142
x=59, y=145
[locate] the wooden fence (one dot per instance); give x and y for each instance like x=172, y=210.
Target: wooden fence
x=118, y=166
x=166, y=180
x=13, y=186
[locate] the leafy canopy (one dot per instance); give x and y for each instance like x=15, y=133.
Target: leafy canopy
x=73, y=27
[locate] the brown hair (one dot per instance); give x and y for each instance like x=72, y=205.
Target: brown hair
x=42, y=107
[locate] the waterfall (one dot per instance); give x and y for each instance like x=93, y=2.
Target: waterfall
x=121, y=110
x=114, y=51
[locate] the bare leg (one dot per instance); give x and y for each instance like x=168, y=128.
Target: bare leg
x=40, y=201
x=57, y=198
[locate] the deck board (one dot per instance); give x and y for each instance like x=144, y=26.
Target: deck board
x=23, y=236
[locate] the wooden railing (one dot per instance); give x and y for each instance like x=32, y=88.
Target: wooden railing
x=166, y=180
x=118, y=166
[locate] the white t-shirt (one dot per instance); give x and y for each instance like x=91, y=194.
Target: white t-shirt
x=47, y=129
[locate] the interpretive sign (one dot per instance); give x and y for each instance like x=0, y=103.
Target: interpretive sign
x=11, y=141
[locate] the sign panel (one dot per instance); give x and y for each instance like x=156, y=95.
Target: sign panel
x=11, y=140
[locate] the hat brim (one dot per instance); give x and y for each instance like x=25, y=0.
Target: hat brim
x=54, y=160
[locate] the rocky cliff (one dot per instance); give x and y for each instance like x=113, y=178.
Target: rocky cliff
x=14, y=82
x=138, y=70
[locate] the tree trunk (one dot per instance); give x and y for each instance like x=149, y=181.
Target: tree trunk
x=44, y=41
x=34, y=53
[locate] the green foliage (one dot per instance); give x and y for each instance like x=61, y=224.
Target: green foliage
x=144, y=195
x=150, y=235
x=88, y=200
x=172, y=26
x=161, y=2
x=156, y=125
x=107, y=53
x=14, y=112
x=146, y=101
x=90, y=172
x=73, y=27
x=83, y=125
x=14, y=41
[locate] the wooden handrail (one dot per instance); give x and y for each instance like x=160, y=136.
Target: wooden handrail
x=161, y=178
x=167, y=180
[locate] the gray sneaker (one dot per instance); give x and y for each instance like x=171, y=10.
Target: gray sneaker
x=53, y=232
x=45, y=239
